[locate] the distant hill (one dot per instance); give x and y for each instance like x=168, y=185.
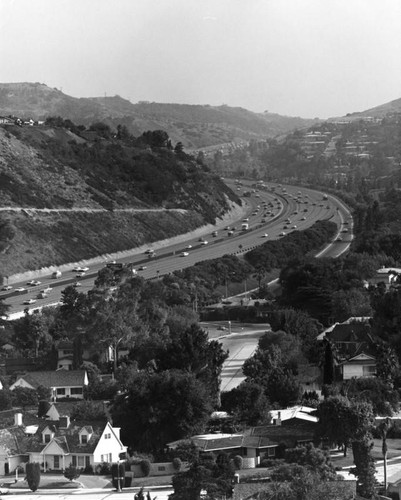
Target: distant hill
x=376, y=112
x=196, y=126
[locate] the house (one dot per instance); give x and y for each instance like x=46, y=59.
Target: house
x=353, y=348
x=290, y=427
x=361, y=365
x=56, y=444
x=386, y=275
x=63, y=383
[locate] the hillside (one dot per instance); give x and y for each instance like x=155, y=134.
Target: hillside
x=84, y=198
x=388, y=108
x=195, y=126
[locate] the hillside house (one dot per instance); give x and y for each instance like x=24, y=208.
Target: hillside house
x=62, y=383
x=361, y=365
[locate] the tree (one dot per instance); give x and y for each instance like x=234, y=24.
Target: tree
x=161, y=407
x=328, y=365
x=23, y=396
x=335, y=422
x=248, y=403
x=72, y=472
x=90, y=411
x=383, y=429
x=33, y=475
x=213, y=475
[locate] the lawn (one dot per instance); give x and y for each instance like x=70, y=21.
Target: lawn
x=394, y=450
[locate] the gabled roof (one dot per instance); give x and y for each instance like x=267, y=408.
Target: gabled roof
x=59, y=378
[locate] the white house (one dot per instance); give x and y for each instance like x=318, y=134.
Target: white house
x=63, y=383
x=361, y=365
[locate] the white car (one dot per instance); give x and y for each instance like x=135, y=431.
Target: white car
x=34, y=283
x=20, y=289
x=6, y=288
x=29, y=301
x=77, y=283
x=80, y=269
x=282, y=233
x=184, y=254
x=80, y=274
x=204, y=242
x=265, y=235
x=142, y=268
x=188, y=247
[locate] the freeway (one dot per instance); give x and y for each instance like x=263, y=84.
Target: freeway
x=270, y=215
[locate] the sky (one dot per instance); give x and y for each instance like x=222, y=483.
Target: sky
x=308, y=58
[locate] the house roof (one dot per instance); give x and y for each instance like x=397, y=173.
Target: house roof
x=59, y=378
x=67, y=439
x=299, y=412
x=350, y=332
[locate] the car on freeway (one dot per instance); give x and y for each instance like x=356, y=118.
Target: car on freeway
x=5, y=288
x=230, y=233
x=80, y=269
x=34, y=283
x=339, y=239
x=80, y=274
x=76, y=284
x=204, y=242
x=265, y=235
x=149, y=251
x=294, y=226
x=263, y=220
x=303, y=218
x=20, y=289
x=282, y=233
x=184, y=254
x=188, y=247
x=29, y=301
x=142, y=268
x=41, y=295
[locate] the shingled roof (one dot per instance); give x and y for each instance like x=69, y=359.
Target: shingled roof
x=59, y=378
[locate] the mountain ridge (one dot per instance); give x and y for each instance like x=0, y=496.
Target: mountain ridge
x=195, y=125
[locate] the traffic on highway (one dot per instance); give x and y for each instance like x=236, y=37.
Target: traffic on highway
x=269, y=212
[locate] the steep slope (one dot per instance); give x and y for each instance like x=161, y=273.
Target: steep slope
x=63, y=198
x=194, y=125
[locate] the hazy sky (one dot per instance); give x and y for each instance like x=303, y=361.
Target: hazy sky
x=295, y=57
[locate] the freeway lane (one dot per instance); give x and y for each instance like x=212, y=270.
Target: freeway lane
x=267, y=213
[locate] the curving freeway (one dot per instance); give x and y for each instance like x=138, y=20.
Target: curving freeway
x=269, y=214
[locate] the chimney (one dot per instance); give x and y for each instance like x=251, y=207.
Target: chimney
x=64, y=422
x=278, y=419
x=18, y=419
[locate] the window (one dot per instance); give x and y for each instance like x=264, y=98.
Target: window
x=74, y=460
x=76, y=390
x=60, y=391
x=271, y=452
x=161, y=468
x=47, y=438
x=369, y=370
x=102, y=458
x=110, y=457
x=81, y=461
x=87, y=460
x=84, y=438
x=107, y=436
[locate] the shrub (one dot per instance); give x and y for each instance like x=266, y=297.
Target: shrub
x=72, y=472
x=89, y=469
x=104, y=468
x=33, y=475
x=238, y=462
x=145, y=467
x=177, y=464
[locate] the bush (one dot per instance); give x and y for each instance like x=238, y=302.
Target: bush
x=33, y=475
x=177, y=463
x=104, y=469
x=238, y=462
x=145, y=467
x=89, y=469
x=72, y=472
